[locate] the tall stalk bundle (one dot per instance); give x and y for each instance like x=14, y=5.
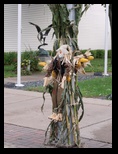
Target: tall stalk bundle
x=66, y=133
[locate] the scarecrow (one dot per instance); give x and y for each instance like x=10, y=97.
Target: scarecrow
x=59, y=70
x=61, y=80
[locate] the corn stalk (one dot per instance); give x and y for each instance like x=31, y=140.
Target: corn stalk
x=66, y=133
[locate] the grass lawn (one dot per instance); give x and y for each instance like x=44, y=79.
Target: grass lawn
x=95, y=88
x=97, y=65
x=9, y=71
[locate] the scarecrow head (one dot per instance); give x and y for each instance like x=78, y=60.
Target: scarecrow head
x=64, y=52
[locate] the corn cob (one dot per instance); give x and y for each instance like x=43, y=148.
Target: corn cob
x=54, y=74
x=90, y=57
x=83, y=60
x=68, y=78
x=42, y=63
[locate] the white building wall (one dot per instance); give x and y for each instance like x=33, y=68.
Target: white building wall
x=10, y=27
x=36, y=13
x=40, y=15
x=91, y=27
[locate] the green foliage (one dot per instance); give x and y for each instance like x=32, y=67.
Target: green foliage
x=109, y=53
x=32, y=57
x=25, y=67
x=25, y=72
x=98, y=53
x=10, y=58
x=97, y=63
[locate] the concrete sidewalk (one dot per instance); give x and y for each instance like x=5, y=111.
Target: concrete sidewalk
x=25, y=124
x=34, y=77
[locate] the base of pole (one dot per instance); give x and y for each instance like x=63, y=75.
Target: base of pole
x=19, y=85
x=105, y=74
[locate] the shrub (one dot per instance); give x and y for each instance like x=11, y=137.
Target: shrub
x=29, y=58
x=33, y=56
x=110, y=53
x=25, y=67
x=98, y=53
x=10, y=58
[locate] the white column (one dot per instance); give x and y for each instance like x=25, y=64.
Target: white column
x=71, y=15
x=72, y=12
x=106, y=41
x=19, y=48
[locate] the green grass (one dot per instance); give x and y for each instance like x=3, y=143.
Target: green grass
x=9, y=71
x=97, y=87
x=92, y=88
x=38, y=89
x=97, y=65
